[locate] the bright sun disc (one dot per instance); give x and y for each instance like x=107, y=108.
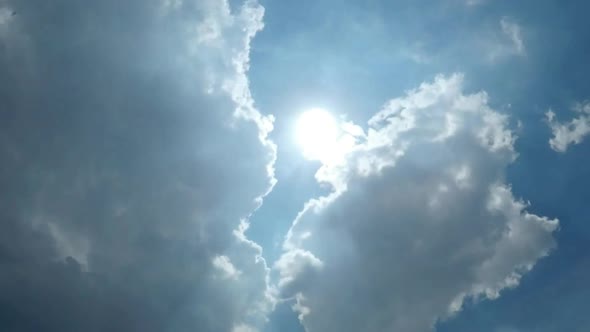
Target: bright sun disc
x=317, y=134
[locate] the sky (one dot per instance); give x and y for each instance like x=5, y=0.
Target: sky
x=294, y=166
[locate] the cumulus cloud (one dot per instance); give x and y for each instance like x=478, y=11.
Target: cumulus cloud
x=132, y=157
x=571, y=132
x=420, y=218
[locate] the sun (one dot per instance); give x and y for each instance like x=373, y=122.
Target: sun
x=317, y=133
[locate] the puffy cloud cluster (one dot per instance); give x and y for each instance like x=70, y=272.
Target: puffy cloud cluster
x=571, y=132
x=419, y=220
x=131, y=157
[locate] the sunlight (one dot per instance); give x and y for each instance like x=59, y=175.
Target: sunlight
x=318, y=135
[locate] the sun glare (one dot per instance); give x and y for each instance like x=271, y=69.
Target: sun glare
x=318, y=134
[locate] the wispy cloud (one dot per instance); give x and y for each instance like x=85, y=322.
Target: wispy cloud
x=474, y=2
x=513, y=31
x=508, y=41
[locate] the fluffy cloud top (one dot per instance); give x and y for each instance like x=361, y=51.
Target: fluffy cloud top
x=131, y=156
x=419, y=220
x=571, y=132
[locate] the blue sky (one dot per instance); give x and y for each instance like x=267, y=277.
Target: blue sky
x=152, y=175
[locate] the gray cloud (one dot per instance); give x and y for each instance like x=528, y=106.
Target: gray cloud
x=419, y=220
x=131, y=158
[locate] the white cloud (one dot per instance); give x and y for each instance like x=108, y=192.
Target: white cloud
x=417, y=52
x=571, y=132
x=243, y=328
x=420, y=219
x=132, y=146
x=225, y=266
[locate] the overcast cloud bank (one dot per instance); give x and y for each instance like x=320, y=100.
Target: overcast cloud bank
x=132, y=156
